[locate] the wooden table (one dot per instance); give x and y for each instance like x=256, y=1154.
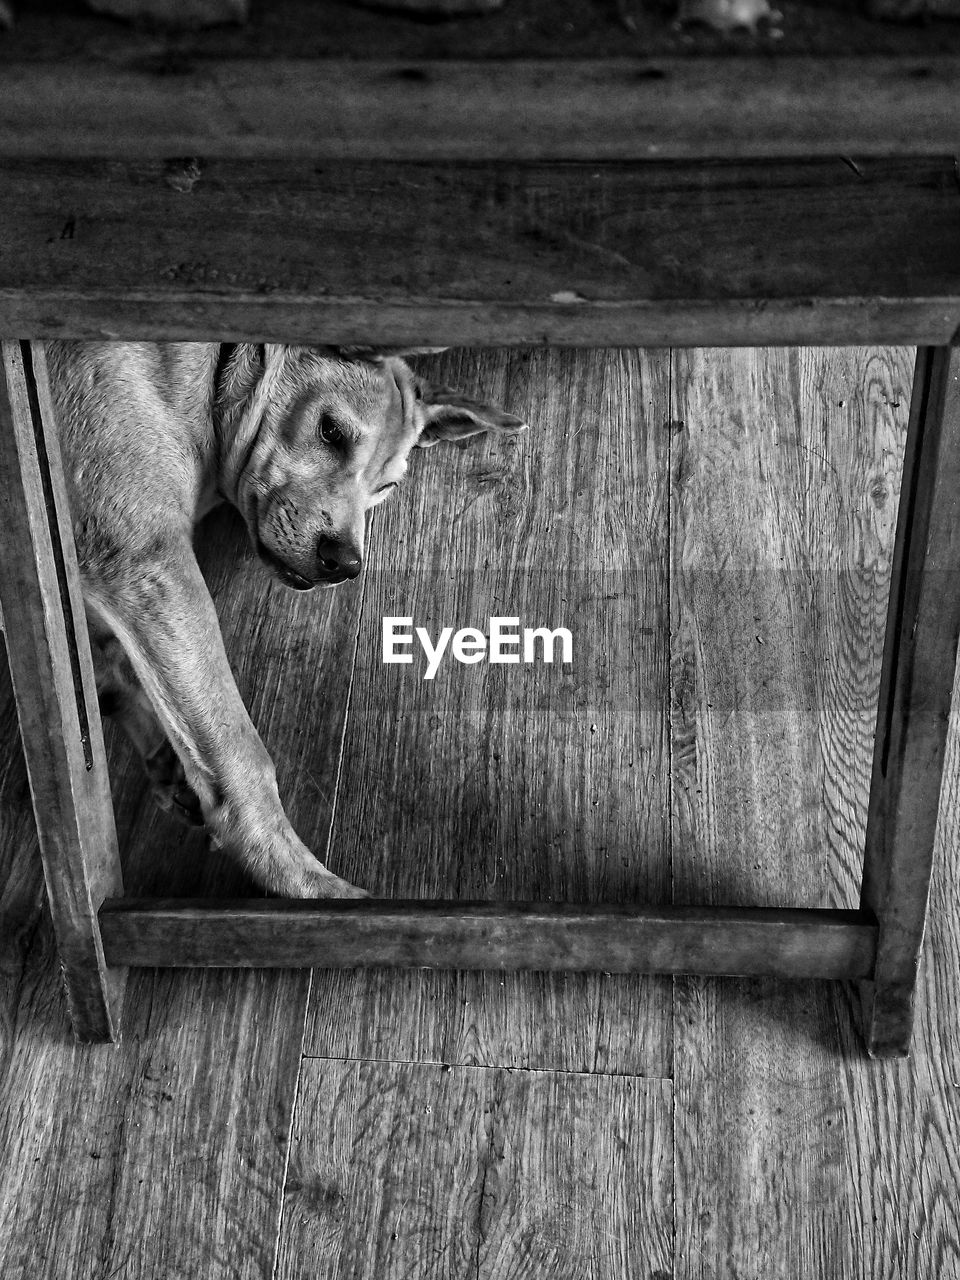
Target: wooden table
x=542, y=175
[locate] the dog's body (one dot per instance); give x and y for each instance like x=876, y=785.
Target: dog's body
x=303, y=442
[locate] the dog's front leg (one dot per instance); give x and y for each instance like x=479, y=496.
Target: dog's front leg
x=161, y=612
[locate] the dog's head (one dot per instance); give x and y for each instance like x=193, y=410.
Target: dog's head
x=312, y=438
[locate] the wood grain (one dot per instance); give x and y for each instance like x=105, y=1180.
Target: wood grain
x=784, y=511
x=465, y=935
x=513, y=782
x=438, y=254
x=163, y=1156
x=785, y=499
x=795, y=1155
x=52, y=673
x=158, y=102
x=21, y=877
x=937, y=1031
x=917, y=680
x=405, y=1169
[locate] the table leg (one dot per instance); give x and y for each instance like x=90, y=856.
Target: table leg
x=916, y=684
x=48, y=651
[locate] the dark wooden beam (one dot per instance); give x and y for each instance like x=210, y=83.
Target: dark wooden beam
x=52, y=675
x=613, y=109
x=916, y=686
x=614, y=254
x=471, y=935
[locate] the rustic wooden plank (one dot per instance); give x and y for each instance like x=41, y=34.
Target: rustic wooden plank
x=786, y=475
x=52, y=672
x=497, y=782
x=404, y=1169
x=438, y=254
x=158, y=104
x=524, y=29
x=471, y=935
x=21, y=876
x=936, y=1037
x=915, y=695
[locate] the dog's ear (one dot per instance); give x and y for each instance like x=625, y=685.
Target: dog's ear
x=448, y=415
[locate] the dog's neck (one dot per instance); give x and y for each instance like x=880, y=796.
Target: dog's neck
x=225, y=354
x=239, y=374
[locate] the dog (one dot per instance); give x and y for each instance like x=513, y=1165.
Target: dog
x=303, y=441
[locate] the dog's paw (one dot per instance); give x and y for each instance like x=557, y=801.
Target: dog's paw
x=303, y=876
x=170, y=788
x=274, y=856
x=318, y=882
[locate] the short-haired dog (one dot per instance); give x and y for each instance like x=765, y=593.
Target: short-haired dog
x=303, y=441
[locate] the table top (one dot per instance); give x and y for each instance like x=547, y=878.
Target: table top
x=548, y=173
x=560, y=80
x=409, y=253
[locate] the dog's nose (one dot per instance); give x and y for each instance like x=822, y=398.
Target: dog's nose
x=337, y=561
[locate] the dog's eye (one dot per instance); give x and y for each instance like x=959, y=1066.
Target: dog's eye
x=330, y=432
x=417, y=391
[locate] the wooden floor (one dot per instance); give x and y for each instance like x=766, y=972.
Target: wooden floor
x=715, y=529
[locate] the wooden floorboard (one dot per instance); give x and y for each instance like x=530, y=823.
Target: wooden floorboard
x=786, y=480
x=788, y=1140
x=502, y=782
x=400, y=1170
x=748, y=1120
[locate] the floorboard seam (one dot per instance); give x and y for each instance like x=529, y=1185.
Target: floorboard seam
x=483, y=1192
x=343, y=733
x=597, y=1026
x=118, y=1145
x=673, y=416
x=489, y=1066
x=274, y=1271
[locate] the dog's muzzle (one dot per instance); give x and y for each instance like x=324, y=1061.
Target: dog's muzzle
x=336, y=562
